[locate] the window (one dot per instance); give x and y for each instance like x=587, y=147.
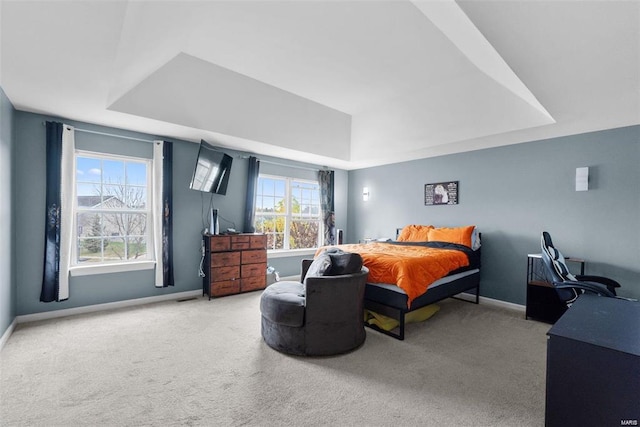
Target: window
x=288, y=212
x=113, y=209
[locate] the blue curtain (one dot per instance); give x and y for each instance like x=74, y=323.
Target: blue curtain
x=167, y=214
x=51, y=273
x=252, y=186
x=327, y=205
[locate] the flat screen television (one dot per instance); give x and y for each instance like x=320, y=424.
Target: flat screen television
x=212, y=170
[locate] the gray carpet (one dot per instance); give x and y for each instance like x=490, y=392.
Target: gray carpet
x=203, y=362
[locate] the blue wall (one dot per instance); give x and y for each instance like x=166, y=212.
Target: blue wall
x=7, y=283
x=190, y=209
x=512, y=194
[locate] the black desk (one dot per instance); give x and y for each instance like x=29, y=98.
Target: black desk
x=593, y=364
x=543, y=303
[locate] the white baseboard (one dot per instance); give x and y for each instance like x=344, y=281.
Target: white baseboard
x=107, y=306
x=183, y=295
x=7, y=333
x=290, y=278
x=493, y=302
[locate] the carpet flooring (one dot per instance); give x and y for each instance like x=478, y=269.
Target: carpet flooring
x=202, y=362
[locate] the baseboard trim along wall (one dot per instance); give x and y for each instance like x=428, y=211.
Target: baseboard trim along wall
x=107, y=306
x=7, y=333
x=182, y=295
x=493, y=302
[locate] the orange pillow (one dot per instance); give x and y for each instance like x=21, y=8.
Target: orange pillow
x=405, y=233
x=459, y=235
x=415, y=233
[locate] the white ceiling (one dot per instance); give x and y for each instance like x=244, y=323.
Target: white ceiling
x=346, y=84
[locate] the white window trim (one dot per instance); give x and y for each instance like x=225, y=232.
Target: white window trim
x=114, y=267
x=282, y=253
x=76, y=269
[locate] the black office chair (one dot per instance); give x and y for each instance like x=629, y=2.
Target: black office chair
x=568, y=286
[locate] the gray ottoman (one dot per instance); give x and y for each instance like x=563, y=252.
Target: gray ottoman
x=282, y=308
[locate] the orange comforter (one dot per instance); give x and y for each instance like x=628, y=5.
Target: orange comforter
x=412, y=268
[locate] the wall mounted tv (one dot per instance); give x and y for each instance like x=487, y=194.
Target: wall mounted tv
x=212, y=171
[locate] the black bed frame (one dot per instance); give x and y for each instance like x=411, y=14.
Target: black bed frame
x=374, y=300
x=394, y=304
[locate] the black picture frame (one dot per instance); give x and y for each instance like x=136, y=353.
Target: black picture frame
x=441, y=193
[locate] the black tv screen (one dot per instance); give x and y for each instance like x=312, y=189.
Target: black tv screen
x=212, y=170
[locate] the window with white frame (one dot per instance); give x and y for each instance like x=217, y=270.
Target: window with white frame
x=288, y=212
x=112, y=210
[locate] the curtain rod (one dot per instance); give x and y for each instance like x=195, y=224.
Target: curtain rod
x=108, y=134
x=113, y=135
x=288, y=166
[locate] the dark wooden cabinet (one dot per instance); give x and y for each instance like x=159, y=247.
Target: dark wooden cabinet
x=593, y=364
x=234, y=263
x=543, y=303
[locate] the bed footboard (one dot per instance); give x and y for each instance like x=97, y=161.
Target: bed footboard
x=388, y=304
x=389, y=311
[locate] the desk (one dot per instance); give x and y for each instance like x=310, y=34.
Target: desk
x=593, y=364
x=543, y=302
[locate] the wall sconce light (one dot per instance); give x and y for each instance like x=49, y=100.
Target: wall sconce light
x=582, y=179
x=365, y=193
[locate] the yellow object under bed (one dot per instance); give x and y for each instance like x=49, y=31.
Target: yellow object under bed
x=388, y=323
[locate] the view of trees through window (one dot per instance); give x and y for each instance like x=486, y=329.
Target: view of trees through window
x=288, y=212
x=112, y=209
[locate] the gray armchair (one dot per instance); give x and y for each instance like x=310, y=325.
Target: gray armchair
x=322, y=315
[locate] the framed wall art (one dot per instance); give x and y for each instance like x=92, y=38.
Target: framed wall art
x=441, y=193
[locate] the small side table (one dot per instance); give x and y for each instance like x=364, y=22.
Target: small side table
x=543, y=303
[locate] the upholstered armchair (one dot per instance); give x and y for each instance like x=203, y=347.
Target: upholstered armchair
x=322, y=314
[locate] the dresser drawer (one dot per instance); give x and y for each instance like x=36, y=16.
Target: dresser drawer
x=254, y=257
x=258, y=241
x=223, y=259
x=225, y=273
x=240, y=242
x=253, y=283
x=219, y=243
x=227, y=287
x=250, y=270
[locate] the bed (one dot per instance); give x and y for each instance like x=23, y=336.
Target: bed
x=396, y=298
